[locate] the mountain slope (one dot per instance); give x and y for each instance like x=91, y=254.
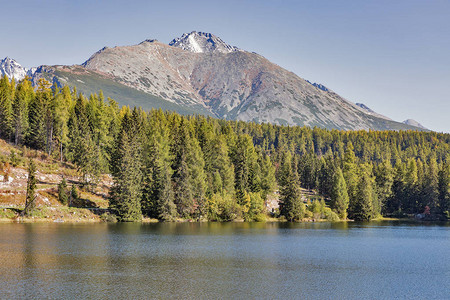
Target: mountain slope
x=200, y=72
x=88, y=82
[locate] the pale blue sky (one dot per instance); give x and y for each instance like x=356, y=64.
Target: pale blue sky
x=394, y=56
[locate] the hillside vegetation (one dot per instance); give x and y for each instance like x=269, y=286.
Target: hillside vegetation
x=169, y=167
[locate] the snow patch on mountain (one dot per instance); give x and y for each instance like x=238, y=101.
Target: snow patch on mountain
x=13, y=69
x=202, y=42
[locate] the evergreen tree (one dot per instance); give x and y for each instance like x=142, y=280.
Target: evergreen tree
x=384, y=179
x=126, y=193
x=339, y=196
x=444, y=188
x=411, y=198
x=6, y=95
x=362, y=209
x=291, y=204
x=20, y=104
x=350, y=173
x=398, y=189
x=157, y=195
x=36, y=136
x=62, y=192
x=430, y=191
x=73, y=195
x=30, y=198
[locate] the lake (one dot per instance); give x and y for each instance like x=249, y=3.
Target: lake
x=376, y=260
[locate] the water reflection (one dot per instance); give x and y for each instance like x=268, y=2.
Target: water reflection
x=231, y=260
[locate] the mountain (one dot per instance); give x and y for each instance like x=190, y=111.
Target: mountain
x=414, y=123
x=199, y=73
x=13, y=69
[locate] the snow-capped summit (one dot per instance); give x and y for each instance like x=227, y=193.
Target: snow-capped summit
x=12, y=69
x=202, y=42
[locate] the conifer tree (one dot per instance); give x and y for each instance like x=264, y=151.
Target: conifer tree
x=430, y=192
x=291, y=204
x=73, y=198
x=339, y=196
x=6, y=107
x=268, y=181
x=244, y=160
x=20, y=104
x=411, y=178
x=157, y=195
x=36, y=136
x=126, y=193
x=444, y=188
x=350, y=173
x=30, y=198
x=384, y=179
x=62, y=192
x=362, y=209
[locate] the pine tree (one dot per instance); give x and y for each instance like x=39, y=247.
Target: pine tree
x=30, y=198
x=363, y=206
x=36, y=136
x=349, y=172
x=339, y=196
x=291, y=204
x=73, y=195
x=411, y=200
x=431, y=189
x=268, y=181
x=6, y=94
x=126, y=193
x=444, y=188
x=20, y=104
x=157, y=195
x=384, y=179
x=62, y=192
x=394, y=203
x=181, y=178
x=244, y=160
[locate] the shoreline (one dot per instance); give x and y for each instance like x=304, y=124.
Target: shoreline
x=98, y=219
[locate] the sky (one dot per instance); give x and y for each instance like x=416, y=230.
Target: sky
x=393, y=56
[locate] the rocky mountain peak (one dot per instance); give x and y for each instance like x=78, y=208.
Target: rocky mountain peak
x=12, y=69
x=413, y=123
x=202, y=42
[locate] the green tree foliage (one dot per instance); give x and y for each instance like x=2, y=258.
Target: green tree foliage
x=126, y=194
x=7, y=90
x=23, y=96
x=444, y=188
x=350, y=174
x=62, y=192
x=30, y=198
x=291, y=204
x=339, y=196
x=169, y=166
x=362, y=209
x=73, y=198
x=384, y=178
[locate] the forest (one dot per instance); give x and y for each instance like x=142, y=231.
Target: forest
x=170, y=167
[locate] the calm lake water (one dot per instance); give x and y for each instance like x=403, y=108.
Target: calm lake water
x=377, y=260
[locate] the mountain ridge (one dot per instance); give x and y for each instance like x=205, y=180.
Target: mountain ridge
x=214, y=78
